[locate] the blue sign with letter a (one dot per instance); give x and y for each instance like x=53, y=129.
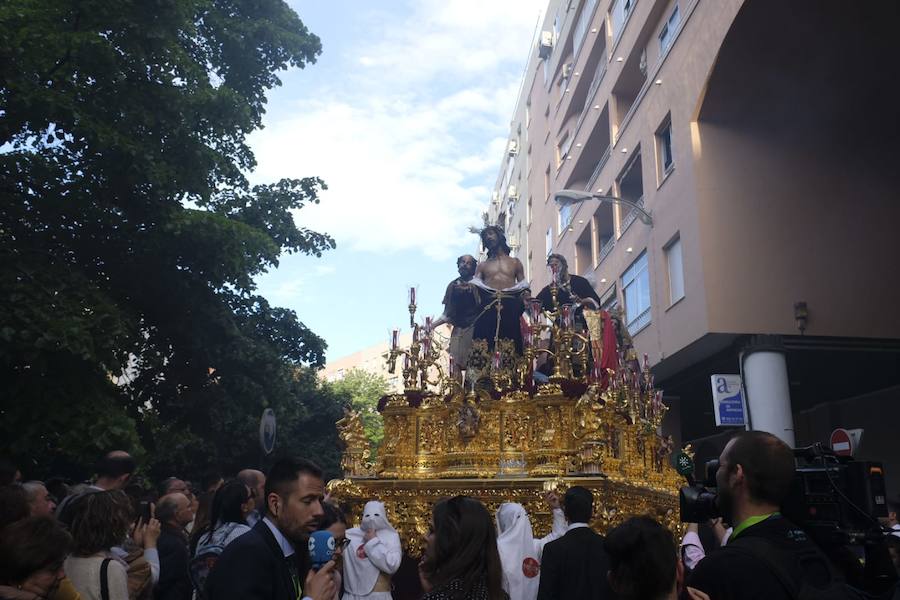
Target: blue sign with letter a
x=728, y=402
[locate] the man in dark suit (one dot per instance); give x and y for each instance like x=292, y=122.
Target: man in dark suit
x=174, y=512
x=271, y=561
x=574, y=567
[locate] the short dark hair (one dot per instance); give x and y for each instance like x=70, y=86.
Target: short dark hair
x=284, y=473
x=115, y=464
x=100, y=521
x=578, y=505
x=642, y=559
x=166, y=483
x=13, y=504
x=31, y=545
x=767, y=462
x=560, y=258
x=460, y=258
x=332, y=514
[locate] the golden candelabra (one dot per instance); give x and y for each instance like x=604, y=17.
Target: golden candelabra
x=498, y=436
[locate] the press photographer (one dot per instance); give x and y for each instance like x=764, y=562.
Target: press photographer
x=767, y=556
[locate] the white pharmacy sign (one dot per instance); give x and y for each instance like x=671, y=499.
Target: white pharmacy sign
x=728, y=401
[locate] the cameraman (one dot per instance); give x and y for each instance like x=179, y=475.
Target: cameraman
x=767, y=556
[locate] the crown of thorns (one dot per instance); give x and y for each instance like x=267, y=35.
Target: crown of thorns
x=479, y=230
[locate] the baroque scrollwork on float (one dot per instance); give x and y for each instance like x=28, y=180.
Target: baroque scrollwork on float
x=499, y=434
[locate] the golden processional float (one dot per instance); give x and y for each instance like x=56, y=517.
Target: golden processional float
x=489, y=431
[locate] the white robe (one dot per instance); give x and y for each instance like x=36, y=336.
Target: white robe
x=520, y=552
x=364, y=561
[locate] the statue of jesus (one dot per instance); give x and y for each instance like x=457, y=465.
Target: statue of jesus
x=503, y=277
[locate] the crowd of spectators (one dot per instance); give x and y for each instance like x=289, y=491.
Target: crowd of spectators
x=247, y=537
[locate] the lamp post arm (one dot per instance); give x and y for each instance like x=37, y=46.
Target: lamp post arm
x=574, y=196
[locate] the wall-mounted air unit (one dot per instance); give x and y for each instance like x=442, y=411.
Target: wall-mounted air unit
x=512, y=193
x=545, y=45
x=513, y=147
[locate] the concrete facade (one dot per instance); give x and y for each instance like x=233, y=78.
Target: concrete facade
x=762, y=136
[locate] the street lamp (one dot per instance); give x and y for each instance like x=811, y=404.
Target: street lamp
x=568, y=197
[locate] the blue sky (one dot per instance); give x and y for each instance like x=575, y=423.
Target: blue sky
x=405, y=116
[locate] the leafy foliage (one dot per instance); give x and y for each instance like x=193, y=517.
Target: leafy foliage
x=130, y=237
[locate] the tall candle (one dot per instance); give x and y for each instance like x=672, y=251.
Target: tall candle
x=497, y=360
x=554, y=270
x=412, y=295
x=428, y=323
x=535, y=309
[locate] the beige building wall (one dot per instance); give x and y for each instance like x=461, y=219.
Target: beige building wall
x=766, y=212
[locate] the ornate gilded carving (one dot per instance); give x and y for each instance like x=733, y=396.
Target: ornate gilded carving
x=497, y=435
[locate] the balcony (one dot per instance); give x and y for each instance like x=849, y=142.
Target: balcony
x=606, y=248
x=632, y=215
x=639, y=322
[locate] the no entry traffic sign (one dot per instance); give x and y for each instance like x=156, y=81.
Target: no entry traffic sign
x=841, y=443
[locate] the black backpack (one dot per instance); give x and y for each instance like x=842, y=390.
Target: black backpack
x=810, y=560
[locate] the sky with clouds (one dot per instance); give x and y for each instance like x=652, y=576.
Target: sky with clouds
x=405, y=116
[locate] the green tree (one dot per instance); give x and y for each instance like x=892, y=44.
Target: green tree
x=130, y=237
x=362, y=390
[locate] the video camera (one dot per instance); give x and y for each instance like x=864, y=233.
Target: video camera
x=837, y=500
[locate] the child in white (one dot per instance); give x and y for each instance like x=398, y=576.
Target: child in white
x=373, y=555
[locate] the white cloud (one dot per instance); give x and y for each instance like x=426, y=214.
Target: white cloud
x=411, y=137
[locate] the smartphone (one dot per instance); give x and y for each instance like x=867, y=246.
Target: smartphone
x=145, y=513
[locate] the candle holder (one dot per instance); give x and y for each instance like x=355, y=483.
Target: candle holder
x=567, y=346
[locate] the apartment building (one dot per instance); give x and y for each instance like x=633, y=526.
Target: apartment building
x=762, y=137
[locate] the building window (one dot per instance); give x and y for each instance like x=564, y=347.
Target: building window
x=528, y=266
x=528, y=213
x=667, y=34
x=675, y=270
x=630, y=185
x=549, y=241
x=562, y=149
x=636, y=289
x=664, y=158
x=583, y=24
x=565, y=217
x=619, y=14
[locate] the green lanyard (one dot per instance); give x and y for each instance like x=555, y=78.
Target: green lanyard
x=297, y=589
x=749, y=522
